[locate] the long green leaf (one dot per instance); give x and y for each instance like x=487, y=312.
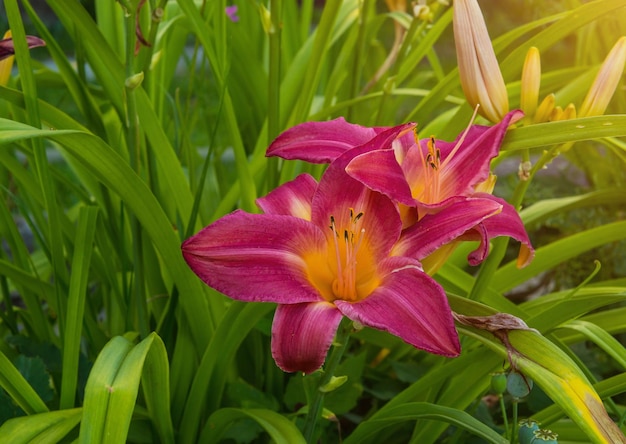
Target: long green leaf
x=111, y=169
x=99, y=389
x=42, y=428
x=564, y=131
x=423, y=410
x=559, y=251
x=18, y=388
x=81, y=260
x=280, y=429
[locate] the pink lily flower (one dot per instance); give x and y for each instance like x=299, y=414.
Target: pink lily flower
x=335, y=248
x=423, y=176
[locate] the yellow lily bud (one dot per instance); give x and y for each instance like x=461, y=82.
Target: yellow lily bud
x=6, y=64
x=569, y=112
x=556, y=114
x=531, y=79
x=606, y=81
x=545, y=109
x=480, y=74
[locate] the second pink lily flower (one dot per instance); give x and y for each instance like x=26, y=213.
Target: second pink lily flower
x=422, y=176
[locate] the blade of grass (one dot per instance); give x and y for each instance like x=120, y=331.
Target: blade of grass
x=81, y=262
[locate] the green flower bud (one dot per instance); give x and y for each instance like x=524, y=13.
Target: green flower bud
x=334, y=383
x=498, y=383
x=518, y=385
x=526, y=431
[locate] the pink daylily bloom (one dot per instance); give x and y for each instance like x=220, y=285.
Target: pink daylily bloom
x=423, y=176
x=432, y=174
x=326, y=250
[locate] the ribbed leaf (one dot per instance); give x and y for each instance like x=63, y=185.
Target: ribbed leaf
x=42, y=428
x=413, y=411
x=18, y=388
x=280, y=429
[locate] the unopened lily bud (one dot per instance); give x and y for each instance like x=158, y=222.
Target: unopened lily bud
x=7, y=50
x=531, y=79
x=545, y=108
x=480, y=74
x=556, y=114
x=606, y=81
x=6, y=64
x=569, y=112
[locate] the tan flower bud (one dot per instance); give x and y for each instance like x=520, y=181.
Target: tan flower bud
x=606, y=81
x=480, y=74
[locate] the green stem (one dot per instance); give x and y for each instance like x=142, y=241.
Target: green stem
x=134, y=152
x=317, y=404
x=505, y=420
x=273, y=100
x=514, y=424
x=355, y=78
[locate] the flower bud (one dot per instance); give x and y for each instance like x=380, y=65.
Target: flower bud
x=545, y=109
x=606, y=81
x=480, y=74
x=531, y=79
x=569, y=112
x=525, y=433
x=498, y=383
x=518, y=385
x=334, y=383
x=6, y=64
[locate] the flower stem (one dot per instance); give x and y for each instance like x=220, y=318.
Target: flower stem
x=316, y=405
x=514, y=422
x=504, y=414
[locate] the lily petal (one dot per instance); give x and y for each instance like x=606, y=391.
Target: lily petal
x=291, y=198
x=505, y=223
x=7, y=47
x=379, y=170
x=302, y=335
x=468, y=165
x=320, y=142
x=435, y=230
x=410, y=305
x=257, y=257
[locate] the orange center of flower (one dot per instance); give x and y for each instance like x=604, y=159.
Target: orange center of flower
x=348, y=272
x=344, y=285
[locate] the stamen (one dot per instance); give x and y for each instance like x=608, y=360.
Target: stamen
x=344, y=285
x=462, y=139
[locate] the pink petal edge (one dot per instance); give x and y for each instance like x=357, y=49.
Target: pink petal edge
x=302, y=335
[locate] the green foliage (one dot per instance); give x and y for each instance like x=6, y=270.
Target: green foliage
x=113, y=151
